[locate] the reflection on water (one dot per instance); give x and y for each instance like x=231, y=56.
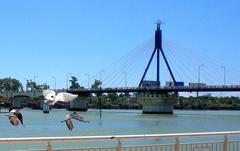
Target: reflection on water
x=119, y=122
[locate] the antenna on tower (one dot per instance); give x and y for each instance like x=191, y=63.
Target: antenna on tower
x=159, y=23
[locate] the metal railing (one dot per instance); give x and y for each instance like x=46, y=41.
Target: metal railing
x=212, y=141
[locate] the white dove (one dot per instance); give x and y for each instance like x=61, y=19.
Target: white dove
x=51, y=97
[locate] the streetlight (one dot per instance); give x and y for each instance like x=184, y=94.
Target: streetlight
x=88, y=76
x=224, y=75
x=34, y=78
x=199, y=68
x=67, y=79
x=26, y=84
x=55, y=82
x=100, y=95
x=101, y=75
x=125, y=76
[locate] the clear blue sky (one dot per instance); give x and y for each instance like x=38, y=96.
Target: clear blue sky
x=42, y=38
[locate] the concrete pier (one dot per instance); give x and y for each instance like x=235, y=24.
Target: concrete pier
x=45, y=107
x=79, y=104
x=153, y=103
x=20, y=101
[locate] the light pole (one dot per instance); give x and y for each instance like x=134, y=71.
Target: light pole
x=224, y=75
x=100, y=94
x=55, y=82
x=26, y=84
x=88, y=78
x=34, y=78
x=67, y=79
x=101, y=75
x=125, y=77
x=199, y=69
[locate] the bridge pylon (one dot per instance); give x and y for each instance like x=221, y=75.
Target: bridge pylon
x=158, y=50
x=157, y=103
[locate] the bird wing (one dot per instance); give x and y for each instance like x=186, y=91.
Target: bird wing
x=11, y=113
x=78, y=117
x=68, y=121
x=65, y=97
x=49, y=94
x=19, y=116
x=67, y=118
x=14, y=120
x=69, y=124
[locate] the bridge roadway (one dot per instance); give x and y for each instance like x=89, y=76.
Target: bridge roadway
x=164, y=89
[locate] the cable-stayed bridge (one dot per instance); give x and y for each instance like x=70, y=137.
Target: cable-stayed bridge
x=154, y=85
x=154, y=95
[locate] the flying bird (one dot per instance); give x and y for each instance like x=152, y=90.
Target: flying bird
x=75, y=116
x=51, y=97
x=15, y=117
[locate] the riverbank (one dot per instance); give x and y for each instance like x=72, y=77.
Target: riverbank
x=184, y=103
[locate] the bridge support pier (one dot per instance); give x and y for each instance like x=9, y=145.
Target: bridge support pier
x=19, y=101
x=79, y=104
x=153, y=103
x=45, y=107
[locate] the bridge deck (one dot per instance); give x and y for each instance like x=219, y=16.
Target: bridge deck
x=209, y=88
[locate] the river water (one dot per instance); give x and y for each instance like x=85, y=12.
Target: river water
x=119, y=122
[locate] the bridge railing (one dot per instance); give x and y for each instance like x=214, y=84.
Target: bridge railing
x=210, y=141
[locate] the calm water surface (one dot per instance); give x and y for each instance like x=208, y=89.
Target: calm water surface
x=119, y=122
x=115, y=122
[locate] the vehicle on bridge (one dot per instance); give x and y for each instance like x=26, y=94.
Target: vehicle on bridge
x=197, y=85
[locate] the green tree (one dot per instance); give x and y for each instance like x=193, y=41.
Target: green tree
x=43, y=86
x=113, y=97
x=74, y=83
x=34, y=86
x=96, y=84
x=7, y=84
x=31, y=85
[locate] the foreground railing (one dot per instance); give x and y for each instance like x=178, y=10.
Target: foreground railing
x=213, y=141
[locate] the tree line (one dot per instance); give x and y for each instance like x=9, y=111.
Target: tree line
x=12, y=84
x=209, y=103
x=127, y=100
